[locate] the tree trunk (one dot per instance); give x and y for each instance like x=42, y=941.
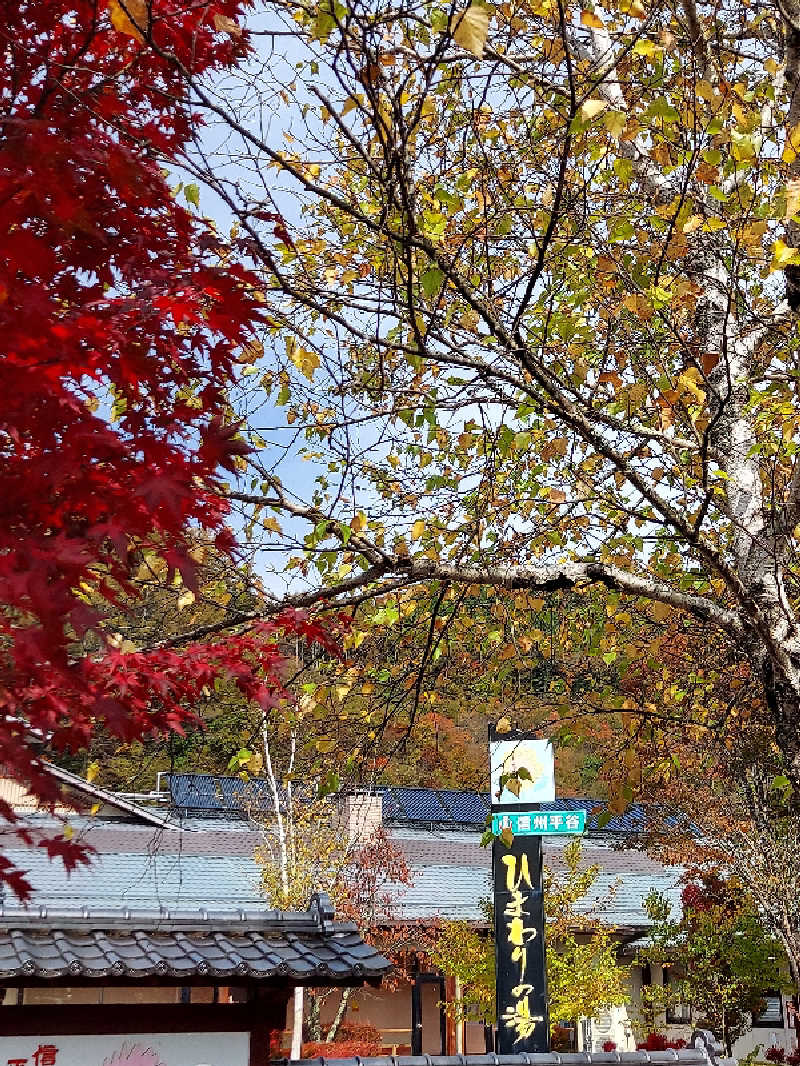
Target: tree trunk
x=341, y=1010
x=313, y=1022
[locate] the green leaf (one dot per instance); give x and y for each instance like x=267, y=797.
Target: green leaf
x=192, y=194
x=431, y=281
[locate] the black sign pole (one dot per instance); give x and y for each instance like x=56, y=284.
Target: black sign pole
x=521, y=980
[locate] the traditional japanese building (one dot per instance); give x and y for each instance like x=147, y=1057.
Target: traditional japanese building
x=161, y=952
x=171, y=915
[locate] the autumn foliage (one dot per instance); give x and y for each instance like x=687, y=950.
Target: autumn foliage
x=121, y=320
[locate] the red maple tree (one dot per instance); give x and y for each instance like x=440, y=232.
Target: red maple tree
x=120, y=321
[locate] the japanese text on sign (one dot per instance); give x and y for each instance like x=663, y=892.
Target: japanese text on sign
x=540, y=823
x=517, y=1015
x=44, y=1055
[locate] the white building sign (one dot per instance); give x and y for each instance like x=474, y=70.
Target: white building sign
x=142, y=1049
x=509, y=757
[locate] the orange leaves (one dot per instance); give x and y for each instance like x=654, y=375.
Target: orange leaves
x=130, y=17
x=227, y=25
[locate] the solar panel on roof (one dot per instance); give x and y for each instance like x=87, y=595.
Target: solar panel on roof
x=195, y=791
x=392, y=808
x=465, y=808
x=421, y=804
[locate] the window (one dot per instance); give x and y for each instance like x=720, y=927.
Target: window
x=771, y=1017
x=677, y=1013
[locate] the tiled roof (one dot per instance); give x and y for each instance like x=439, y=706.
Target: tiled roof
x=451, y=876
x=124, y=945
x=141, y=867
x=687, y=1056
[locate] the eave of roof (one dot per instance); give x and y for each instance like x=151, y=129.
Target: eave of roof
x=75, y=946
x=103, y=795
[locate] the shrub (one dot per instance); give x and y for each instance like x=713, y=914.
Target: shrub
x=775, y=1054
x=609, y=1045
x=361, y=1033
x=793, y=1059
x=654, y=1042
x=338, y=1049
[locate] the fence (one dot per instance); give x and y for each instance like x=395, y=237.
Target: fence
x=703, y=1050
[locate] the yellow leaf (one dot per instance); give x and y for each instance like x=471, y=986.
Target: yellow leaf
x=358, y=522
x=68, y=832
x=503, y=726
x=644, y=47
x=783, y=255
x=255, y=763
x=92, y=771
x=792, y=197
x=588, y=18
x=615, y=122
x=792, y=146
x=472, y=30
x=417, y=529
x=660, y=611
x=130, y=17
x=305, y=361
x=95, y=809
x=637, y=10
x=185, y=599
x=591, y=108
x=272, y=525
x=688, y=379
x=226, y=25
x=692, y=223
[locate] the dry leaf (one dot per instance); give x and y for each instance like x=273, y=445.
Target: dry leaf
x=792, y=197
x=503, y=726
x=692, y=223
x=472, y=30
x=226, y=25
x=130, y=16
x=591, y=108
x=594, y=22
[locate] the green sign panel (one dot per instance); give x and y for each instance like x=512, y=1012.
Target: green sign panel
x=539, y=823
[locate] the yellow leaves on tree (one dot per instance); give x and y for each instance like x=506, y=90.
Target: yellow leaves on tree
x=472, y=29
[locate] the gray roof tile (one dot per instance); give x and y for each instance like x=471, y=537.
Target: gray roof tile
x=73, y=945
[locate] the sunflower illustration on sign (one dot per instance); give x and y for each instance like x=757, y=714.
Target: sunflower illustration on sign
x=509, y=758
x=134, y=1055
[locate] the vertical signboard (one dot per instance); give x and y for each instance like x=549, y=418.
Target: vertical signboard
x=522, y=1017
x=522, y=1021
